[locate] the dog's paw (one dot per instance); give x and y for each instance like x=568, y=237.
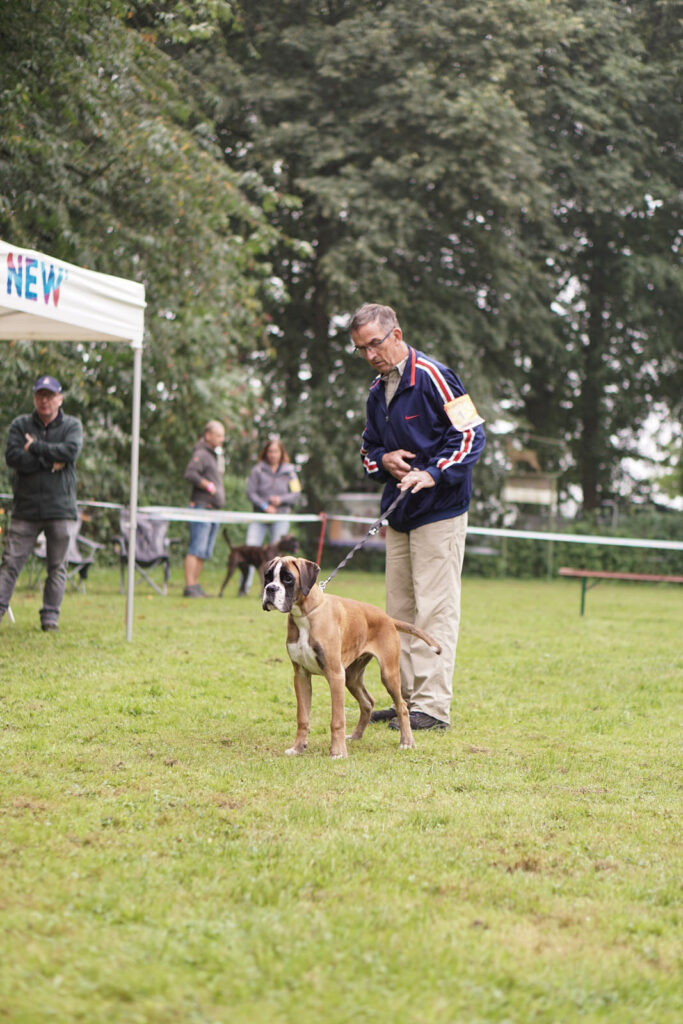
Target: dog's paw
x=295, y=750
x=338, y=757
x=407, y=746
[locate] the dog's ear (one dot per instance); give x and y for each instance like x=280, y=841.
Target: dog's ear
x=308, y=574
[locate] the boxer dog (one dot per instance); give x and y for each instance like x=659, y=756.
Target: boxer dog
x=336, y=637
x=245, y=555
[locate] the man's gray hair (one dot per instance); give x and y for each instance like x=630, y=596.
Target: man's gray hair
x=370, y=312
x=212, y=425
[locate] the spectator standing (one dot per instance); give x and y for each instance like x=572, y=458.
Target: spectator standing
x=422, y=436
x=272, y=487
x=42, y=448
x=205, y=472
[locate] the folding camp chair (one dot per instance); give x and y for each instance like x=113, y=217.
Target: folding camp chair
x=80, y=556
x=152, y=549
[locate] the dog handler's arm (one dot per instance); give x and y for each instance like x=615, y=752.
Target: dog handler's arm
x=463, y=437
x=416, y=480
x=373, y=453
x=396, y=462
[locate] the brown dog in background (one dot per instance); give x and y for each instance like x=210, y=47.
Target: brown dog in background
x=517, y=454
x=245, y=555
x=336, y=637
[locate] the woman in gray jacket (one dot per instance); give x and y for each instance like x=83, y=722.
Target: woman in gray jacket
x=272, y=487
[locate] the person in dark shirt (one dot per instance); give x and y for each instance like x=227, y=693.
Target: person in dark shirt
x=205, y=472
x=42, y=448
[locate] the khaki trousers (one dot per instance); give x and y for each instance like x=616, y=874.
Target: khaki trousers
x=423, y=569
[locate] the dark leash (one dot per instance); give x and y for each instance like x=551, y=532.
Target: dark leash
x=371, y=533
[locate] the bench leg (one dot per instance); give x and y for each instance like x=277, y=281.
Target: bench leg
x=586, y=585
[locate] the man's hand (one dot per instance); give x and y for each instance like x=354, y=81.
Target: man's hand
x=416, y=480
x=29, y=441
x=56, y=466
x=396, y=464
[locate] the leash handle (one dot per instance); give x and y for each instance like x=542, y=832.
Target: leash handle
x=371, y=533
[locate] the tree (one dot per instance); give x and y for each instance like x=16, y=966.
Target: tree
x=108, y=159
x=418, y=185
x=608, y=130
x=503, y=173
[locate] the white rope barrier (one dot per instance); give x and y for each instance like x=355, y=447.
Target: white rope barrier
x=176, y=514
x=571, y=538
x=575, y=538
x=210, y=515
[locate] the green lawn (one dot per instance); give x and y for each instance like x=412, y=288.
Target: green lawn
x=161, y=860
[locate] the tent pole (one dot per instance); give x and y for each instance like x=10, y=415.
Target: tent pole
x=135, y=447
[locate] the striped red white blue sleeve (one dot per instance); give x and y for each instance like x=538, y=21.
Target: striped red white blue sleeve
x=460, y=447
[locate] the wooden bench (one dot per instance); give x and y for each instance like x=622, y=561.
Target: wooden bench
x=596, y=575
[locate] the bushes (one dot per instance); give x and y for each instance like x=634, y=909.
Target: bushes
x=537, y=558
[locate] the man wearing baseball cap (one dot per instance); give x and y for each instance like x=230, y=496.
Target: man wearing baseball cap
x=42, y=448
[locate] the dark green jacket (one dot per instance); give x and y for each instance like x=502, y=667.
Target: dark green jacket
x=40, y=492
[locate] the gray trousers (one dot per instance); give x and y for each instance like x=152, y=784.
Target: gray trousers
x=19, y=543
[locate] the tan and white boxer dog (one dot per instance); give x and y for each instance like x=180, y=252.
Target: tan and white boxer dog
x=336, y=637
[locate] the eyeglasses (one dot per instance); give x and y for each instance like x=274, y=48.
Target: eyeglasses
x=362, y=350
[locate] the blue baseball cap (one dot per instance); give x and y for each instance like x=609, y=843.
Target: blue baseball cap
x=47, y=384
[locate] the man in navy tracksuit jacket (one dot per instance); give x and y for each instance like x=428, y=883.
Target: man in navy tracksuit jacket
x=422, y=436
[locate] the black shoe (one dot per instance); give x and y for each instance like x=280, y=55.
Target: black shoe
x=49, y=627
x=385, y=715
x=421, y=720
x=194, y=591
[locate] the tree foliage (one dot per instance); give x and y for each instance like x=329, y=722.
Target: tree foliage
x=505, y=173
x=109, y=158
x=607, y=130
x=418, y=187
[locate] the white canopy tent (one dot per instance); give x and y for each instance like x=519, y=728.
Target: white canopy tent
x=46, y=299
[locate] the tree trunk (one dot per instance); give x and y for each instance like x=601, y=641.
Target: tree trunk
x=593, y=442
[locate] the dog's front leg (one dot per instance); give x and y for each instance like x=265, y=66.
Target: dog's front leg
x=303, y=691
x=337, y=681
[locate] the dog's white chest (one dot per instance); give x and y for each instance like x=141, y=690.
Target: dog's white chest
x=300, y=650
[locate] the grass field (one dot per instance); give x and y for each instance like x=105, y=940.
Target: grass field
x=162, y=861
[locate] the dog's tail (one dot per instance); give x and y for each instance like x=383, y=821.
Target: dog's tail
x=227, y=537
x=406, y=627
